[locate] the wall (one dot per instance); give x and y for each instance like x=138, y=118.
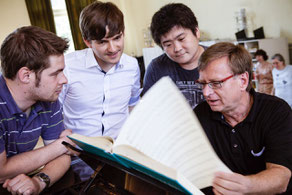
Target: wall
x=216, y=18
x=13, y=14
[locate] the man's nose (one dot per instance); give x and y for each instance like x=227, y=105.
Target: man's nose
x=177, y=46
x=207, y=90
x=63, y=79
x=111, y=46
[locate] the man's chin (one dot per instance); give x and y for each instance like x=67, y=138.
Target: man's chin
x=215, y=108
x=113, y=61
x=50, y=99
x=182, y=61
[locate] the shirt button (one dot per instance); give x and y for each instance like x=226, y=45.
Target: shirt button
x=233, y=130
x=21, y=115
x=235, y=145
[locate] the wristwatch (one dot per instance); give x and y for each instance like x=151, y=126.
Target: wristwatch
x=44, y=178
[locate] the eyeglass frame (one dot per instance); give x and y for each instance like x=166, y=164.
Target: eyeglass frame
x=211, y=84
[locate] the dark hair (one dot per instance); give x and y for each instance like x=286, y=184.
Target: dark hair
x=30, y=47
x=261, y=52
x=239, y=58
x=170, y=15
x=95, y=17
x=279, y=57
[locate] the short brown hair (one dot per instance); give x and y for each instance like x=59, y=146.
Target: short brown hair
x=97, y=16
x=239, y=59
x=30, y=47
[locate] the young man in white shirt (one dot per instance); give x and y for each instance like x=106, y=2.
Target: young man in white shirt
x=103, y=82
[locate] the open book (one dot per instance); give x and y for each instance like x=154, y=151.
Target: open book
x=162, y=138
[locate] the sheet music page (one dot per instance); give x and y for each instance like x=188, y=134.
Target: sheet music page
x=102, y=142
x=164, y=127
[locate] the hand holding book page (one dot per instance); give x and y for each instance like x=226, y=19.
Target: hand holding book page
x=164, y=128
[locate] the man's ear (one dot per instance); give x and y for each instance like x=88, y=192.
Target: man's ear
x=244, y=81
x=198, y=34
x=87, y=43
x=24, y=75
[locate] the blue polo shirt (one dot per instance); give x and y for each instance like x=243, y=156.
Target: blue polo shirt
x=20, y=133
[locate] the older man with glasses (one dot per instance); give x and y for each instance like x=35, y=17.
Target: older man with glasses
x=250, y=132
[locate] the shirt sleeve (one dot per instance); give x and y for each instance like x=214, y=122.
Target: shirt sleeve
x=55, y=123
x=279, y=137
x=136, y=89
x=149, y=78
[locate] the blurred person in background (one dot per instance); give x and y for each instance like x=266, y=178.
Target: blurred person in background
x=264, y=73
x=282, y=75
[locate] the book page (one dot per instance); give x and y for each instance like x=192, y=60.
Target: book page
x=173, y=177
x=102, y=142
x=164, y=127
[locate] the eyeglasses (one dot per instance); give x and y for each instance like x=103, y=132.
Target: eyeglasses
x=214, y=84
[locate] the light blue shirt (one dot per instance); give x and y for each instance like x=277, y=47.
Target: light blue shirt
x=96, y=103
x=283, y=83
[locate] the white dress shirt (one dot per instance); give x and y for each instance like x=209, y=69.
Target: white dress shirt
x=96, y=103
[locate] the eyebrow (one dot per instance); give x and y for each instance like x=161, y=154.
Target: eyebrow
x=115, y=36
x=176, y=37
x=57, y=71
x=211, y=80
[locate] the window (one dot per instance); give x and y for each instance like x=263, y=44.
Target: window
x=62, y=22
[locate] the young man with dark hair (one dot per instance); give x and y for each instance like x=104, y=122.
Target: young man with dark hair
x=249, y=131
x=175, y=29
x=32, y=63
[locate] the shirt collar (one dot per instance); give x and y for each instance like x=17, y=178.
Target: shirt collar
x=251, y=115
x=218, y=116
x=91, y=61
x=253, y=111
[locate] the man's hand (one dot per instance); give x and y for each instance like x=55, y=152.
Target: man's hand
x=273, y=180
x=64, y=137
x=230, y=183
x=65, y=133
x=23, y=184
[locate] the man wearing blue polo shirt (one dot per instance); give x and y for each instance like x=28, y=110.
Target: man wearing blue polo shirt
x=32, y=63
